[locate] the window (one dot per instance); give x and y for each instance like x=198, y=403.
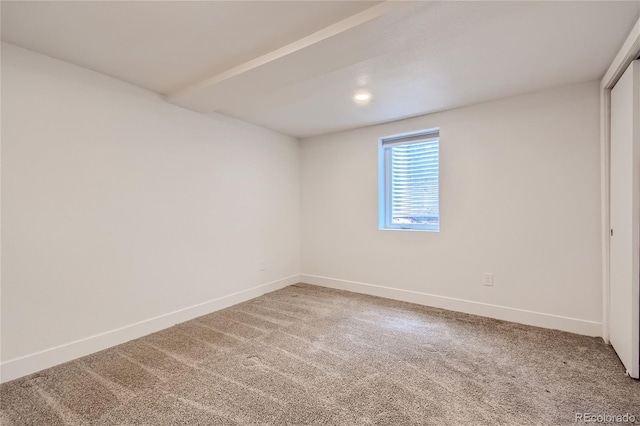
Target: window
x=409, y=181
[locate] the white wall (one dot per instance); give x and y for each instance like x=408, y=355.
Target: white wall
x=519, y=198
x=118, y=207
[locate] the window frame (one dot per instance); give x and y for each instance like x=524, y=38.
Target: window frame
x=384, y=179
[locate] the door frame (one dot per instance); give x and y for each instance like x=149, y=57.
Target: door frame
x=629, y=51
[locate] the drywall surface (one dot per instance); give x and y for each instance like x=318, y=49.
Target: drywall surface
x=519, y=198
x=119, y=208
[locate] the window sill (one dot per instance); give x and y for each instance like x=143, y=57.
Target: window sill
x=409, y=229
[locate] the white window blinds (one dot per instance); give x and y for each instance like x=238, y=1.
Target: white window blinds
x=411, y=181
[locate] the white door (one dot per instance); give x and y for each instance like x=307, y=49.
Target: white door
x=624, y=325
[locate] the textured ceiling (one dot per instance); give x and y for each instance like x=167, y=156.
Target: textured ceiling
x=293, y=66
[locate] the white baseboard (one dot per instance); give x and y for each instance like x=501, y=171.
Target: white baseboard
x=538, y=319
x=32, y=363
x=28, y=364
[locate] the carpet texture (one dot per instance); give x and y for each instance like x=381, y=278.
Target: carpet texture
x=312, y=355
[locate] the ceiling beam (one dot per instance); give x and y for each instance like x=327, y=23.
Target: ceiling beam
x=192, y=95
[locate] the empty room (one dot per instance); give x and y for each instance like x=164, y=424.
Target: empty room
x=320, y=212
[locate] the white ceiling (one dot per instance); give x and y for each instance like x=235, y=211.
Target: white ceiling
x=162, y=45
x=293, y=66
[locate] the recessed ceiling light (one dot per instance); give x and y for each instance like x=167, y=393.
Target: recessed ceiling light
x=362, y=97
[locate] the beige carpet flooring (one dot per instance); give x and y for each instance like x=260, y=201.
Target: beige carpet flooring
x=311, y=355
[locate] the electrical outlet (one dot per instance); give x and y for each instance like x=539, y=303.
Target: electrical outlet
x=261, y=266
x=487, y=279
